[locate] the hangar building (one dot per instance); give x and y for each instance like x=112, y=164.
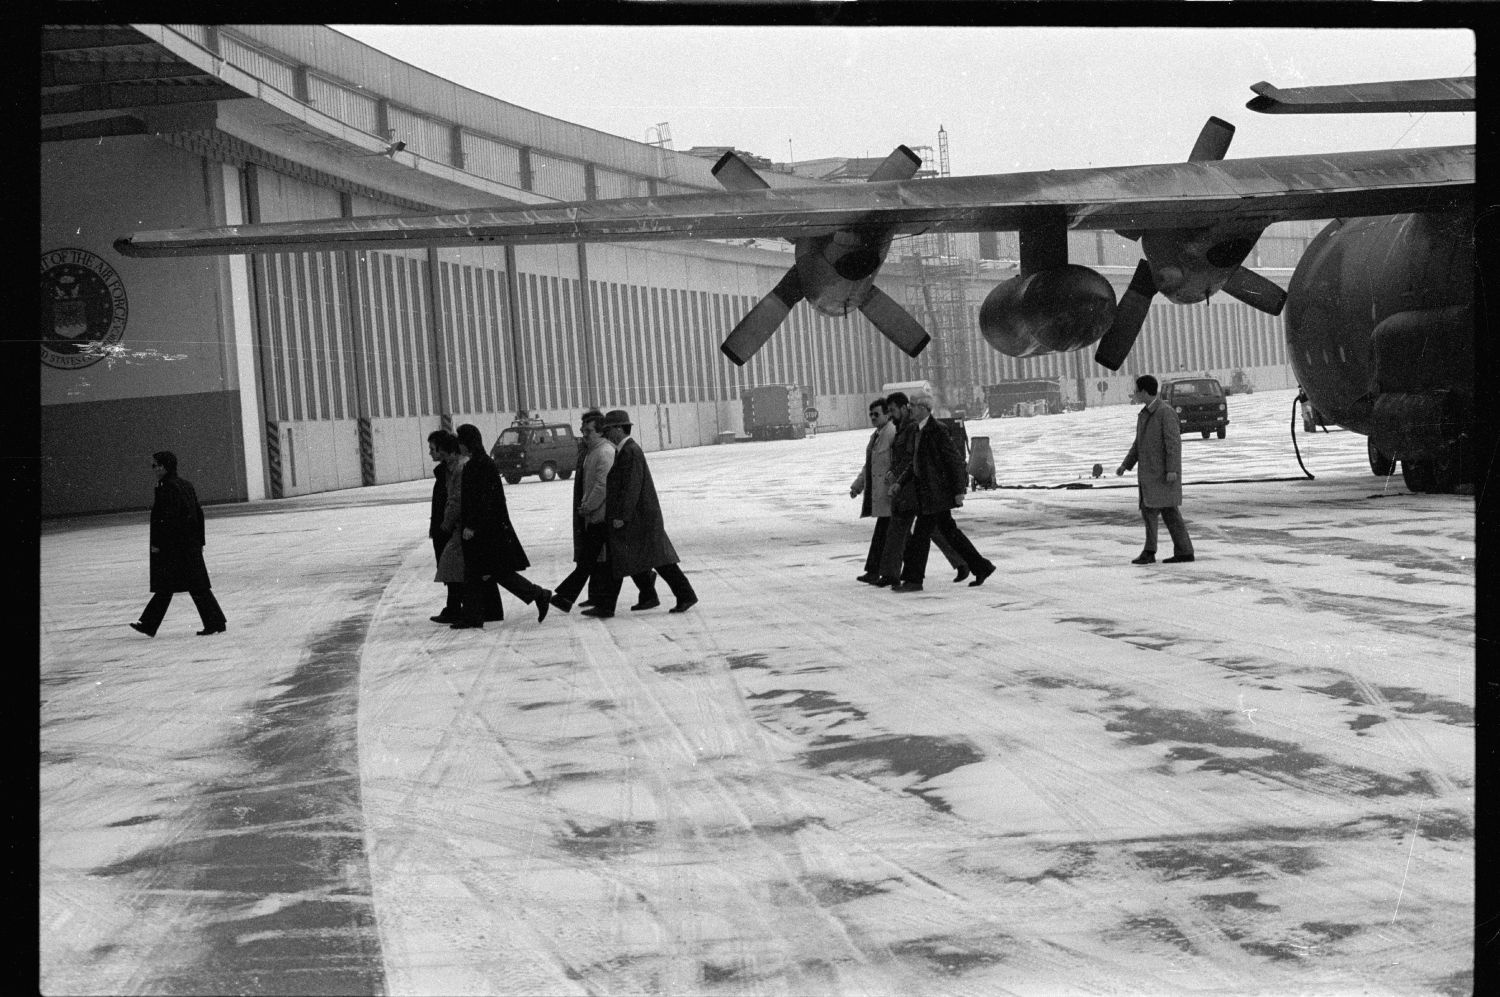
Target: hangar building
x=284, y=374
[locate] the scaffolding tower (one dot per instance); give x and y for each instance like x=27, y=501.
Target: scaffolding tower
x=937, y=295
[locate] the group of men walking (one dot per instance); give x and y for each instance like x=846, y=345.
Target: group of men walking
x=913, y=478
x=617, y=529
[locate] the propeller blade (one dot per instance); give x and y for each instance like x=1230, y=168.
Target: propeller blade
x=1130, y=315
x=1213, y=141
x=901, y=164
x=894, y=322
x=752, y=331
x=1256, y=291
x=733, y=173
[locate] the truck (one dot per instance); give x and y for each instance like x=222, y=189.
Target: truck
x=776, y=411
x=1031, y=396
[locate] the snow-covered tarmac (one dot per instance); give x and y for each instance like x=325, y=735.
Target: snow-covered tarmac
x=1252, y=774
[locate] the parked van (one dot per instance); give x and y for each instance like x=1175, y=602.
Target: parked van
x=547, y=450
x=1200, y=404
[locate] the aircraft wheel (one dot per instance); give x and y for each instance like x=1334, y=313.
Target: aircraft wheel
x=548, y=471
x=1221, y=432
x=512, y=479
x=1418, y=475
x=1380, y=465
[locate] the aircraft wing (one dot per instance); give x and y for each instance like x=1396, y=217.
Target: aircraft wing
x=1137, y=198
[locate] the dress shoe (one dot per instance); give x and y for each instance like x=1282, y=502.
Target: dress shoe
x=963, y=572
x=646, y=604
x=1178, y=559
x=1146, y=557
x=869, y=578
x=466, y=625
x=981, y=575
x=140, y=628
x=598, y=613
x=882, y=581
x=683, y=605
x=907, y=587
x=210, y=631
x=558, y=602
x=543, y=603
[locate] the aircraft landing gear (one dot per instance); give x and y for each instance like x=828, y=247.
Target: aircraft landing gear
x=1439, y=475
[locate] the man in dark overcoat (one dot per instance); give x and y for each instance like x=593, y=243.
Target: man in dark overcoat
x=931, y=477
x=177, y=540
x=638, y=541
x=442, y=446
x=1158, y=449
x=492, y=551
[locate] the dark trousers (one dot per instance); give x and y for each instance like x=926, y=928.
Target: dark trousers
x=588, y=569
x=454, y=606
x=1176, y=528
x=897, y=534
x=923, y=531
x=475, y=597
x=877, y=545
x=645, y=581
x=208, y=609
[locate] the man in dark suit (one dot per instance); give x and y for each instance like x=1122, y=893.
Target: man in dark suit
x=1158, y=448
x=177, y=551
x=492, y=551
x=442, y=446
x=931, y=479
x=638, y=541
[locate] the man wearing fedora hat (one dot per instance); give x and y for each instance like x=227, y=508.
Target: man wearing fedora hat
x=638, y=541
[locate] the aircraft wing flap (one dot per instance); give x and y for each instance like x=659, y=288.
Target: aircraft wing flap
x=1172, y=195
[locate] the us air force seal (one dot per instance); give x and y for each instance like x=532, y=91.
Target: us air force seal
x=83, y=308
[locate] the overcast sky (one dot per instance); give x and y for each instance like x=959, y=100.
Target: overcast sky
x=1010, y=99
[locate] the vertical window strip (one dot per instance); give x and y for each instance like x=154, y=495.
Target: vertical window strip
x=272, y=334
x=416, y=275
x=458, y=387
x=411, y=355
x=325, y=331
x=317, y=354
x=651, y=306
x=395, y=352
x=541, y=340
x=492, y=285
x=619, y=346
x=395, y=404
x=547, y=328
x=339, y=332
x=572, y=290
x=297, y=336
x=476, y=283
x=634, y=393
x=474, y=325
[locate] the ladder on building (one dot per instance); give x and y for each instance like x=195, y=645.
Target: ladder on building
x=937, y=295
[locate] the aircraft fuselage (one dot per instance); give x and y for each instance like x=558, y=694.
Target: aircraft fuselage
x=1380, y=329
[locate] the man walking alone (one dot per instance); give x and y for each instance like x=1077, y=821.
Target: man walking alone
x=1158, y=448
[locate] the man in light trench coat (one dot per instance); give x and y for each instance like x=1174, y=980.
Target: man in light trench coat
x=1158, y=448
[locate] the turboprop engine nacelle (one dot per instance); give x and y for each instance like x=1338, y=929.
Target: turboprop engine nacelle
x=1053, y=310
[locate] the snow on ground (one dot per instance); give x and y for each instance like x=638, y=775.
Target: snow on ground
x=1252, y=774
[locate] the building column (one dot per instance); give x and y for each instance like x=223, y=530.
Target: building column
x=240, y=339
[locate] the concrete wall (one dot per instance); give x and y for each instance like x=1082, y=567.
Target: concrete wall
x=97, y=455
